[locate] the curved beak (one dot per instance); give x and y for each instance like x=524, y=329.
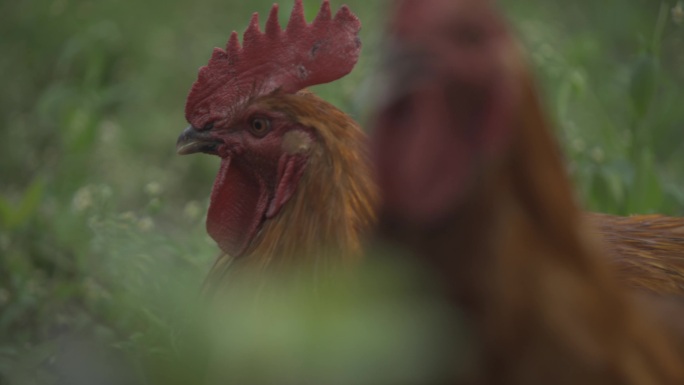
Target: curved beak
x=192, y=141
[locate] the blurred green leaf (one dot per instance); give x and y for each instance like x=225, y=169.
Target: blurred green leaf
x=12, y=216
x=647, y=186
x=643, y=83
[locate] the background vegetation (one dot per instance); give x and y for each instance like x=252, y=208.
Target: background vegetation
x=102, y=241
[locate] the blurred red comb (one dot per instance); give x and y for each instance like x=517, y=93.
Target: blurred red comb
x=288, y=60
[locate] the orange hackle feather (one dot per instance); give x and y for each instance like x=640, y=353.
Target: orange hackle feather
x=647, y=251
x=513, y=250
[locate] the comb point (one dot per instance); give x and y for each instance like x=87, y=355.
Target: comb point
x=218, y=54
x=272, y=24
x=324, y=14
x=345, y=15
x=233, y=46
x=203, y=74
x=297, y=20
x=287, y=59
x=252, y=32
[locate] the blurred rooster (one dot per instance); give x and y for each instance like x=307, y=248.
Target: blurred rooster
x=473, y=184
x=294, y=181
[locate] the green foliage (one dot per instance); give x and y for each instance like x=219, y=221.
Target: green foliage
x=613, y=79
x=13, y=217
x=101, y=225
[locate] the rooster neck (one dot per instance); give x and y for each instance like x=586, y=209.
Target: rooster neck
x=527, y=218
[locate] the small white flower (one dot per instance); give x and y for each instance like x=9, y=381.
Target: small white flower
x=153, y=188
x=678, y=13
x=108, y=131
x=145, y=224
x=192, y=210
x=83, y=199
x=105, y=192
x=578, y=144
x=597, y=154
x=128, y=216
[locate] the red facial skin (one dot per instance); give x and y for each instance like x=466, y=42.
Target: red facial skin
x=256, y=178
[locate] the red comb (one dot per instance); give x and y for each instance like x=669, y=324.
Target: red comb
x=297, y=57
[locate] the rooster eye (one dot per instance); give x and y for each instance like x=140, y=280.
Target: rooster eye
x=259, y=126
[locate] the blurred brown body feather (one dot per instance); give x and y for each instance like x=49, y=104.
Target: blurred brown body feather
x=545, y=304
x=647, y=251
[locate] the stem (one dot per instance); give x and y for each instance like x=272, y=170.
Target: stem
x=659, y=29
x=641, y=135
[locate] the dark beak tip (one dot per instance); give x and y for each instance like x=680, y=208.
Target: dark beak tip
x=185, y=141
x=192, y=141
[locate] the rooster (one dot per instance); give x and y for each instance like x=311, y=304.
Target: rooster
x=295, y=180
x=472, y=184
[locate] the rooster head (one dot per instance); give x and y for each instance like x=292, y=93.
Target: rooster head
x=447, y=104
x=242, y=109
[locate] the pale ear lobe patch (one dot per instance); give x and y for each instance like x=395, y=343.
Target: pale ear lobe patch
x=290, y=170
x=296, y=142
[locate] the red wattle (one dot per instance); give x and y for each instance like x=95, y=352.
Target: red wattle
x=237, y=207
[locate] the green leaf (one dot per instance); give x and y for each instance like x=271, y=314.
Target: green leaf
x=604, y=195
x=646, y=194
x=643, y=83
x=5, y=212
x=11, y=218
